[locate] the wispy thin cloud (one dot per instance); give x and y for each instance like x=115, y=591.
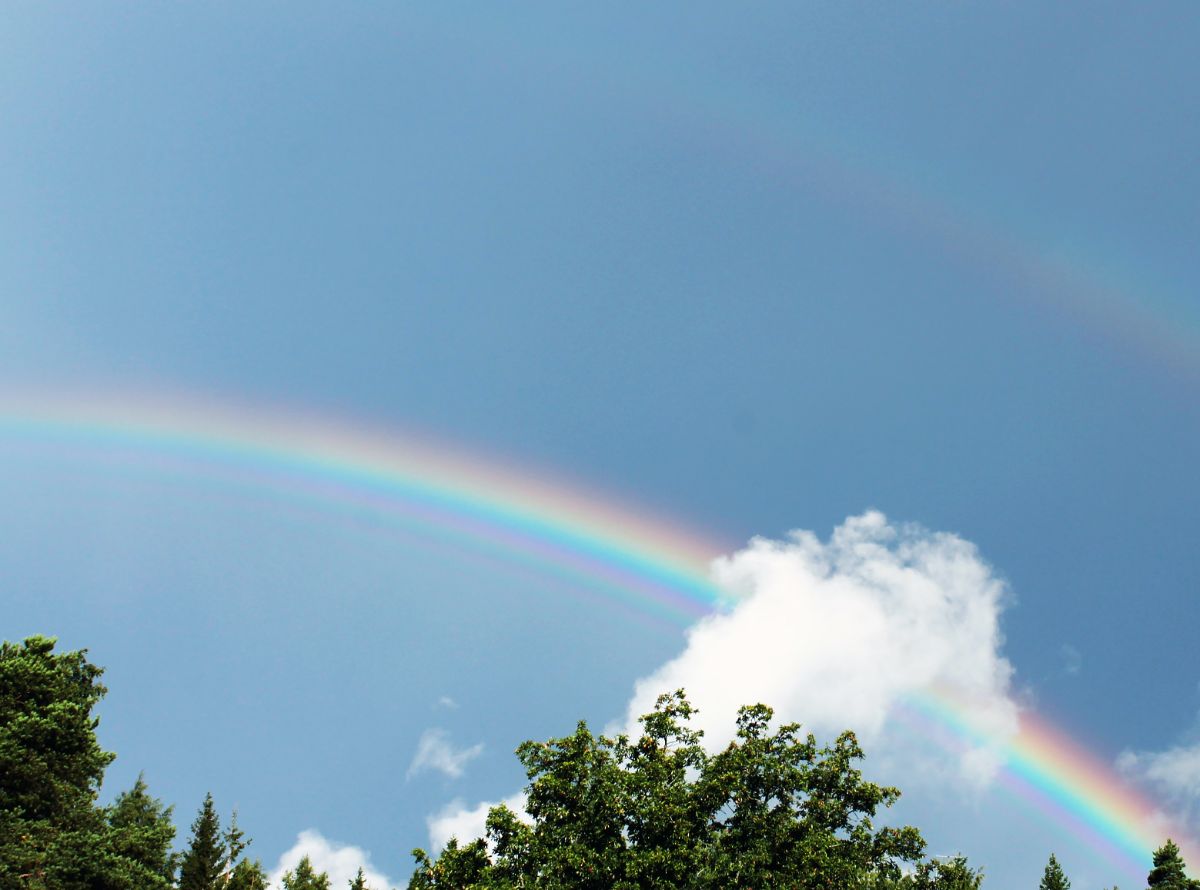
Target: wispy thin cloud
x=435, y=752
x=1174, y=772
x=1072, y=659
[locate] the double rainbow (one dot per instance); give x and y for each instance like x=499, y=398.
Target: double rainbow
x=652, y=565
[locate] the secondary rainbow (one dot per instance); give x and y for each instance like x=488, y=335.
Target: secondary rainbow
x=594, y=543
x=1155, y=320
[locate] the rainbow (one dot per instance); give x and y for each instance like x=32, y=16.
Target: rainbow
x=1123, y=306
x=409, y=483
x=581, y=536
x=1061, y=782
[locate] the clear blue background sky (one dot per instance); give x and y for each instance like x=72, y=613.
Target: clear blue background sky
x=755, y=268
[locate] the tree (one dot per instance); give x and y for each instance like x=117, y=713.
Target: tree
x=359, y=881
x=247, y=875
x=141, y=832
x=235, y=841
x=1169, y=872
x=771, y=810
x=939, y=874
x=1054, y=878
x=204, y=861
x=305, y=878
x=51, y=832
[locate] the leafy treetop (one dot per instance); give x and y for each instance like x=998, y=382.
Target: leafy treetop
x=773, y=809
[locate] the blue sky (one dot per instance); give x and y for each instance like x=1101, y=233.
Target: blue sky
x=756, y=270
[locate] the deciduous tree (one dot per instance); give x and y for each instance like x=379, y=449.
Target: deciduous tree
x=773, y=809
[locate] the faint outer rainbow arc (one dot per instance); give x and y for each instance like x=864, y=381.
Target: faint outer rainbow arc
x=1157, y=324
x=650, y=564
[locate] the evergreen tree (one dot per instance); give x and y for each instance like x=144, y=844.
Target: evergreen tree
x=247, y=875
x=52, y=834
x=141, y=832
x=1169, y=872
x=235, y=841
x=1054, y=878
x=204, y=861
x=305, y=878
x=359, y=882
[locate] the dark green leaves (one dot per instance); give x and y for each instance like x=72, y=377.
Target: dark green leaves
x=771, y=810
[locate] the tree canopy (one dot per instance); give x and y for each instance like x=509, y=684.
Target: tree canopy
x=773, y=809
x=1054, y=878
x=1169, y=870
x=656, y=812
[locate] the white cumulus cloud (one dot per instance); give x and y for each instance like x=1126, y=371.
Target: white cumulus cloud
x=853, y=633
x=841, y=634
x=435, y=752
x=466, y=822
x=341, y=861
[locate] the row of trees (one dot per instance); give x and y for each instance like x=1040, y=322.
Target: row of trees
x=773, y=809
x=54, y=835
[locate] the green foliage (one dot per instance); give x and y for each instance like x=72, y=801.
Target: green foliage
x=936, y=874
x=458, y=867
x=305, y=878
x=247, y=875
x=1054, y=878
x=141, y=832
x=772, y=810
x=1169, y=872
x=204, y=861
x=52, y=835
x=235, y=840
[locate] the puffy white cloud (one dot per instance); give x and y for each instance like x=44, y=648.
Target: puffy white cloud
x=464, y=822
x=341, y=861
x=846, y=634
x=434, y=752
x=841, y=634
x=447, y=702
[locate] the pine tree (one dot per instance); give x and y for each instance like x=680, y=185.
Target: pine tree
x=359, y=882
x=204, y=862
x=51, y=765
x=305, y=878
x=1054, y=878
x=141, y=833
x=1169, y=871
x=247, y=875
x=235, y=841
